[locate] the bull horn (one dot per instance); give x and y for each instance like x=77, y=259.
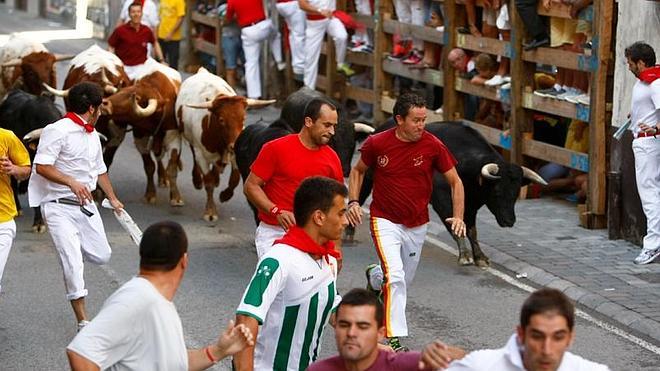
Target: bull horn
x=489, y=170
x=104, y=77
x=33, y=135
x=110, y=89
x=13, y=62
x=102, y=137
x=256, y=103
x=205, y=105
x=63, y=57
x=147, y=111
x=533, y=176
x=363, y=128
x=56, y=92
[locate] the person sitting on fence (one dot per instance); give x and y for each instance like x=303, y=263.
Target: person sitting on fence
x=409, y=50
x=461, y=61
x=360, y=41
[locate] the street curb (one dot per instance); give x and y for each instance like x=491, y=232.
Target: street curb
x=624, y=318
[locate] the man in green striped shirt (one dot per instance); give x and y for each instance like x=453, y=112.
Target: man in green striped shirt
x=292, y=294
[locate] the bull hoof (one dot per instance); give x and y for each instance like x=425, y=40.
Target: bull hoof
x=464, y=260
x=226, y=195
x=482, y=262
x=39, y=228
x=177, y=202
x=210, y=217
x=150, y=199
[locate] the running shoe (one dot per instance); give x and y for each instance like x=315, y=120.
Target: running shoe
x=646, y=256
x=345, y=69
x=395, y=344
x=495, y=81
x=401, y=50
x=578, y=99
x=373, y=272
x=414, y=58
x=584, y=99
x=549, y=93
x=570, y=93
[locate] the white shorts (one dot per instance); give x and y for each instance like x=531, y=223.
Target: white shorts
x=76, y=236
x=264, y=237
x=7, y=234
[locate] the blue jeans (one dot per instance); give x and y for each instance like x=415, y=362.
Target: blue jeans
x=232, y=51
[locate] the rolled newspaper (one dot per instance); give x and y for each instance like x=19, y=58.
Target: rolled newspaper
x=126, y=222
x=626, y=125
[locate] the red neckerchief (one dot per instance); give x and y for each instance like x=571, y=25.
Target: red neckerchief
x=298, y=238
x=650, y=74
x=75, y=118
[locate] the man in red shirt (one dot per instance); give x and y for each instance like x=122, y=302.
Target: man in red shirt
x=404, y=160
x=282, y=164
x=129, y=41
x=255, y=28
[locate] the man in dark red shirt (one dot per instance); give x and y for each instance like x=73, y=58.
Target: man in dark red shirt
x=129, y=41
x=255, y=28
x=404, y=160
x=282, y=164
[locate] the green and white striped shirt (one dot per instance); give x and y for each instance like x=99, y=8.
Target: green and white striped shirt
x=291, y=295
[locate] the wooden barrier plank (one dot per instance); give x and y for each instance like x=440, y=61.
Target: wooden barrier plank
x=205, y=19
x=483, y=45
x=561, y=10
x=556, y=107
x=387, y=104
x=360, y=94
x=205, y=47
x=494, y=136
x=465, y=86
x=427, y=75
x=362, y=59
x=562, y=58
x=558, y=155
x=422, y=32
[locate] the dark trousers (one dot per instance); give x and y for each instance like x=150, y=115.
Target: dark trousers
x=170, y=52
x=536, y=26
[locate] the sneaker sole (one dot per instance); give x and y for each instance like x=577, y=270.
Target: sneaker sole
x=649, y=260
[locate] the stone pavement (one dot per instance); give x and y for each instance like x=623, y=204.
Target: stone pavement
x=548, y=246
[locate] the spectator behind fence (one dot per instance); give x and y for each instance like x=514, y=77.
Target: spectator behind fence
x=535, y=25
x=171, y=15
x=139, y=328
x=255, y=28
x=129, y=41
x=541, y=341
x=645, y=116
x=358, y=330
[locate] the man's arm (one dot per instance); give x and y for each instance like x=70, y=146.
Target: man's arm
x=231, y=341
x=52, y=174
x=438, y=355
x=253, y=189
x=244, y=360
x=18, y=172
x=355, y=179
x=158, y=51
x=176, y=27
x=457, y=200
x=106, y=186
x=80, y=363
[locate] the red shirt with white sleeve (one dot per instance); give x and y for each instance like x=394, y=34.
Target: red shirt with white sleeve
x=403, y=175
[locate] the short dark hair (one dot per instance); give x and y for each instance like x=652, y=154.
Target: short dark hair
x=313, y=107
x=641, y=51
x=135, y=3
x=83, y=95
x=547, y=300
x=359, y=297
x=315, y=193
x=162, y=246
x=484, y=62
x=405, y=102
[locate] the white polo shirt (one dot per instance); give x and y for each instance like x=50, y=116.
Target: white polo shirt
x=74, y=152
x=509, y=359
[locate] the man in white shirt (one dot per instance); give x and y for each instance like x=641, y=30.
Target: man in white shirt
x=645, y=116
x=541, y=340
x=68, y=165
x=139, y=328
x=293, y=291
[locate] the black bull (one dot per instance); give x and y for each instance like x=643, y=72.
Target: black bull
x=253, y=137
x=23, y=113
x=487, y=180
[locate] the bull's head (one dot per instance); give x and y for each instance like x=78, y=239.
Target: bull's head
x=131, y=104
x=501, y=183
x=225, y=122
x=35, y=69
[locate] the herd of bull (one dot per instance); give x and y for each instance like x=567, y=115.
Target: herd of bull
x=162, y=111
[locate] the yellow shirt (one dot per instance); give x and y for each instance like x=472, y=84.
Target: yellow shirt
x=11, y=147
x=170, y=11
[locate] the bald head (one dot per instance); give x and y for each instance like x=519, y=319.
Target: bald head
x=457, y=59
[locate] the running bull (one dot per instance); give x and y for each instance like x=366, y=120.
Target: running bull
x=487, y=180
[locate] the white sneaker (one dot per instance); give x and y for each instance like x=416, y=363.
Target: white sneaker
x=506, y=86
x=494, y=81
x=577, y=98
x=646, y=256
x=584, y=99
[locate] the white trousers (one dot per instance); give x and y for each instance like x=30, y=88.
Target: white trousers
x=647, y=174
x=295, y=20
x=314, y=34
x=363, y=7
x=252, y=37
x=7, y=234
x=264, y=237
x=399, y=249
x=76, y=236
x=411, y=11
